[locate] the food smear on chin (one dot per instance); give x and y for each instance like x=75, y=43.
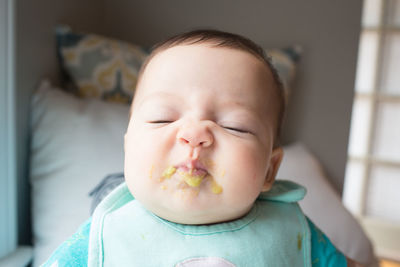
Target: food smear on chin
x=151, y=172
x=216, y=188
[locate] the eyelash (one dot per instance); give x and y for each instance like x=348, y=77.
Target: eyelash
x=160, y=121
x=228, y=128
x=237, y=130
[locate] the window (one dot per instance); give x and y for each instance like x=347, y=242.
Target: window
x=8, y=226
x=372, y=183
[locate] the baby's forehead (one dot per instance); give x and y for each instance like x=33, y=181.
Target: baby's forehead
x=241, y=67
x=225, y=57
x=204, y=59
x=217, y=49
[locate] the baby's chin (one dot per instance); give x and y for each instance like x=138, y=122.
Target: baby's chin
x=195, y=218
x=195, y=214
x=184, y=213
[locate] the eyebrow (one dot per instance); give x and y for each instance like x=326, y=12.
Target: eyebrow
x=156, y=96
x=233, y=105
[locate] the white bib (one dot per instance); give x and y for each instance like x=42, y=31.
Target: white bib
x=274, y=233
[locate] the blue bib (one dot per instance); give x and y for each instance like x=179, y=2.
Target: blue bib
x=274, y=233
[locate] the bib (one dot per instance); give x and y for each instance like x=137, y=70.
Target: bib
x=274, y=233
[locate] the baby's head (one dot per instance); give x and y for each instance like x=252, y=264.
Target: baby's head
x=202, y=140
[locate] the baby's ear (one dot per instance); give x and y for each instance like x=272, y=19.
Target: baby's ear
x=274, y=163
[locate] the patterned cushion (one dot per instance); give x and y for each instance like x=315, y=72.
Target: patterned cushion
x=97, y=66
x=100, y=67
x=285, y=62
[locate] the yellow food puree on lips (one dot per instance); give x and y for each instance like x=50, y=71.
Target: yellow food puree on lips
x=169, y=172
x=192, y=180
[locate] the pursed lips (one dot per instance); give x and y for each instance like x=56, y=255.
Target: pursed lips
x=192, y=173
x=192, y=167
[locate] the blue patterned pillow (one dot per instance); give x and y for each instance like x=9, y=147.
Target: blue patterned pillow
x=285, y=62
x=98, y=66
x=105, y=68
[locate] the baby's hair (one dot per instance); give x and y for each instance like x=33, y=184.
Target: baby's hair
x=218, y=38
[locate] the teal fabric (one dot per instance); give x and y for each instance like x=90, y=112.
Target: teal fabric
x=274, y=233
x=74, y=252
x=243, y=242
x=271, y=234
x=284, y=191
x=324, y=254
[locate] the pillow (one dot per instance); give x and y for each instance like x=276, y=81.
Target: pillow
x=74, y=144
x=285, y=61
x=98, y=66
x=323, y=205
x=105, y=68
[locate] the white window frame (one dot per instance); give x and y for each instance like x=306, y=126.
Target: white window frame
x=384, y=234
x=8, y=177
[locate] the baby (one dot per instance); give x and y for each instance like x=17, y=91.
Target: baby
x=201, y=154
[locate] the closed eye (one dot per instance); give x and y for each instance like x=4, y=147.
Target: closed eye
x=237, y=130
x=160, y=121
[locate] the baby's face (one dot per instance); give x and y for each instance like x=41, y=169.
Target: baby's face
x=199, y=145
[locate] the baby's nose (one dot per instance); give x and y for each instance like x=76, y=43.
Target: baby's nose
x=195, y=135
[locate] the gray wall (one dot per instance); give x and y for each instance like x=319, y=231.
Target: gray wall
x=36, y=58
x=320, y=106
x=321, y=100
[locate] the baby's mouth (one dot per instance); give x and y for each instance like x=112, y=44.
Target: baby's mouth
x=191, y=176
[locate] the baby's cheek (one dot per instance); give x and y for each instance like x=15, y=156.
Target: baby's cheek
x=242, y=187
x=254, y=168
x=143, y=182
